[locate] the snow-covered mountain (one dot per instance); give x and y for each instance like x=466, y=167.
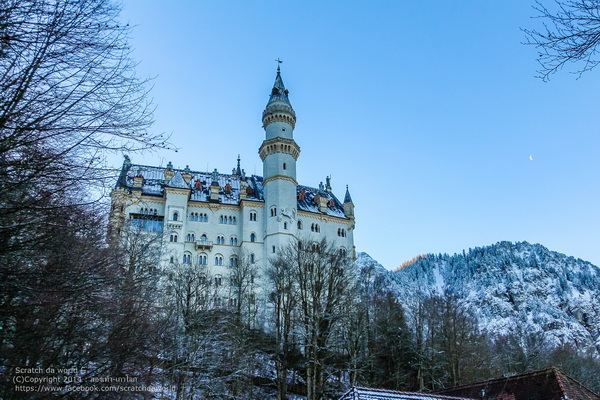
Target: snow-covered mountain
x=511, y=288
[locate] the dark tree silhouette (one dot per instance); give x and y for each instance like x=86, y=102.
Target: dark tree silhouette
x=571, y=34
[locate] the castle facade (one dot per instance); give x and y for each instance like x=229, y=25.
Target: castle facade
x=213, y=219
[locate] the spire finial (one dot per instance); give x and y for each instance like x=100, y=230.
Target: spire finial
x=238, y=171
x=279, y=64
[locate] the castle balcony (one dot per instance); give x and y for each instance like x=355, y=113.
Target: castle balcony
x=171, y=224
x=204, y=245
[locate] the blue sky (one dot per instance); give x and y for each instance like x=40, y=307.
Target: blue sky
x=428, y=110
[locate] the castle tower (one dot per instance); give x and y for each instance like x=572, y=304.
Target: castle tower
x=279, y=153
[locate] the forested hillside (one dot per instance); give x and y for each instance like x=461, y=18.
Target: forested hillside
x=505, y=308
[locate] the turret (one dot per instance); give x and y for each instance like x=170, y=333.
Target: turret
x=348, y=204
x=279, y=153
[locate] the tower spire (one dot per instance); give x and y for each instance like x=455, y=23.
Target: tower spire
x=279, y=107
x=347, y=198
x=279, y=92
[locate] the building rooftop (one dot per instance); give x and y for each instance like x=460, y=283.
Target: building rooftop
x=154, y=184
x=547, y=384
x=362, y=393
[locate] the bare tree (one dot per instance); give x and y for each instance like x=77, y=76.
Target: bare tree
x=243, y=287
x=280, y=279
x=571, y=34
x=324, y=277
x=68, y=95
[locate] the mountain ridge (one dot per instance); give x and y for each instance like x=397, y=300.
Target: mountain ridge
x=517, y=288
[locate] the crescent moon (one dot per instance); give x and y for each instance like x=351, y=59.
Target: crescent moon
x=531, y=157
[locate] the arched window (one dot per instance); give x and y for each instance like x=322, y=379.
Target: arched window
x=233, y=261
x=187, y=258
x=234, y=221
x=221, y=219
x=273, y=211
x=175, y=216
x=203, y=238
x=252, y=237
x=173, y=237
x=202, y=259
x=284, y=166
x=172, y=260
x=252, y=216
x=220, y=239
x=285, y=225
x=273, y=249
x=218, y=281
x=230, y=220
x=299, y=224
x=312, y=227
x=252, y=259
x=218, y=259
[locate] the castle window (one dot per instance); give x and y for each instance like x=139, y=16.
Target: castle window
x=218, y=281
x=252, y=216
x=273, y=249
x=230, y=220
x=233, y=261
x=203, y=218
x=284, y=166
x=273, y=211
x=173, y=237
x=175, y=216
x=190, y=237
x=220, y=239
x=233, y=241
x=285, y=225
x=219, y=260
x=299, y=224
x=203, y=238
x=172, y=260
x=202, y=259
x=187, y=258
x=221, y=219
x=252, y=237
x=234, y=221
x=312, y=227
x=252, y=259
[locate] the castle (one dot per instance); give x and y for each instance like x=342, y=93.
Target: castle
x=211, y=218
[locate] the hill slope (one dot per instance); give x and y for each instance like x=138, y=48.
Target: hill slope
x=512, y=289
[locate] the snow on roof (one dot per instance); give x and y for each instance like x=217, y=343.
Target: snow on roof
x=178, y=182
x=154, y=184
x=308, y=204
x=362, y=393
